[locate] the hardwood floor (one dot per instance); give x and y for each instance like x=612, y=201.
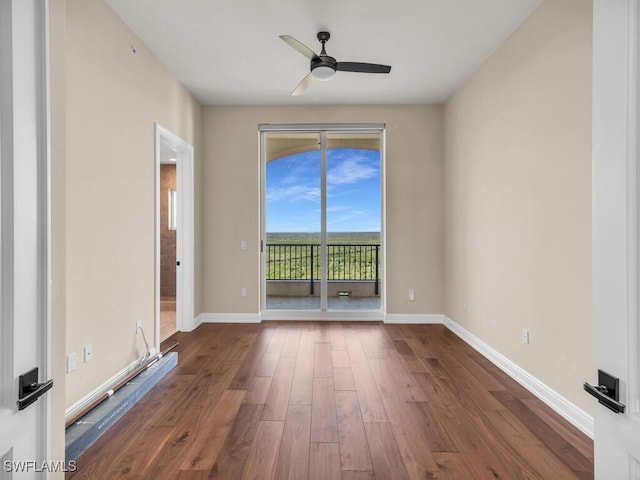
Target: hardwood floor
x=349, y=401
x=167, y=317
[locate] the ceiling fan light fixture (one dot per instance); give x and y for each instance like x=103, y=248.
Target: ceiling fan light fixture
x=323, y=72
x=323, y=66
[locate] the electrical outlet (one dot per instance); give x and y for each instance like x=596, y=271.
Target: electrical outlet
x=525, y=335
x=243, y=245
x=88, y=353
x=243, y=292
x=412, y=295
x=72, y=360
x=138, y=326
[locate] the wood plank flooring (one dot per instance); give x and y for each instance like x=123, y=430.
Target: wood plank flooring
x=312, y=400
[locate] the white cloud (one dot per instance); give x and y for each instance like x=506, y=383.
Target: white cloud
x=361, y=220
x=351, y=170
x=301, y=168
x=294, y=192
x=338, y=208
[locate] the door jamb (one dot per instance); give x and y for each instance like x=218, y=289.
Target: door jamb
x=185, y=231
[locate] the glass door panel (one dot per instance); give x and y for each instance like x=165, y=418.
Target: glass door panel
x=353, y=221
x=293, y=194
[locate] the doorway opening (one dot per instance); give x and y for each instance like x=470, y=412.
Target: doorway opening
x=168, y=231
x=322, y=221
x=174, y=237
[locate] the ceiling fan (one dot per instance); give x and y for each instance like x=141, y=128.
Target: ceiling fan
x=323, y=67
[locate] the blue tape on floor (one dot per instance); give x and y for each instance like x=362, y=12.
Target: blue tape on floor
x=84, y=432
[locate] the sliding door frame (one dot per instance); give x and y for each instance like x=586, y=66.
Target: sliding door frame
x=323, y=130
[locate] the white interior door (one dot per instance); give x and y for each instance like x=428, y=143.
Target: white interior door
x=615, y=233
x=24, y=337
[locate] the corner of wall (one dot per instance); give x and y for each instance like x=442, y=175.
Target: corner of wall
x=517, y=149
x=564, y=407
x=108, y=191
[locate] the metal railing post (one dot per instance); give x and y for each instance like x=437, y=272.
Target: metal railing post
x=376, y=267
x=312, y=264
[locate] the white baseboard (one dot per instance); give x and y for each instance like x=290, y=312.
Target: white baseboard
x=569, y=411
x=415, y=319
x=300, y=315
x=316, y=315
x=103, y=388
x=227, y=318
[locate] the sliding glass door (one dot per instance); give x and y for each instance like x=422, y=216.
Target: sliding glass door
x=322, y=218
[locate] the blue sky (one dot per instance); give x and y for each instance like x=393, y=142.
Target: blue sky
x=353, y=192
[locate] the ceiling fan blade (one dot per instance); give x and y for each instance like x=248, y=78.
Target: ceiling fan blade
x=302, y=86
x=362, y=67
x=299, y=46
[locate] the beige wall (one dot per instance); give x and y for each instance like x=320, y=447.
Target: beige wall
x=518, y=198
x=414, y=222
x=113, y=98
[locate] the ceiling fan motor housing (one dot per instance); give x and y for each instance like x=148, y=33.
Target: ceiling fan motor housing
x=323, y=67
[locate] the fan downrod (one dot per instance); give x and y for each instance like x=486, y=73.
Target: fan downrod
x=323, y=37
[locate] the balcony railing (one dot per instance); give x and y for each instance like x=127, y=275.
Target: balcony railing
x=301, y=262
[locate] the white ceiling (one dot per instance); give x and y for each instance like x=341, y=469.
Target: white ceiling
x=228, y=51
